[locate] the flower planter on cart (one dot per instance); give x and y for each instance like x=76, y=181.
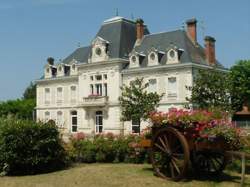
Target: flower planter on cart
x=172, y=151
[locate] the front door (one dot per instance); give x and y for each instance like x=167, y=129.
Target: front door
x=98, y=121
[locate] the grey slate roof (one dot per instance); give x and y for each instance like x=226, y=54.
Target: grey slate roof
x=81, y=55
x=121, y=35
x=163, y=41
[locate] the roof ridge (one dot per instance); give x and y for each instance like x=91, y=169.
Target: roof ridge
x=162, y=32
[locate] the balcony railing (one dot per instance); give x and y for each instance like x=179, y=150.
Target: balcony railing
x=95, y=100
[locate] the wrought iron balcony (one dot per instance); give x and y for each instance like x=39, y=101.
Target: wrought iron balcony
x=95, y=100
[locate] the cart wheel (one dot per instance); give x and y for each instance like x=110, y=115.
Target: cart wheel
x=170, y=154
x=209, y=162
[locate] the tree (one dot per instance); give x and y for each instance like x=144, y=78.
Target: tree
x=30, y=92
x=136, y=102
x=240, y=84
x=211, y=90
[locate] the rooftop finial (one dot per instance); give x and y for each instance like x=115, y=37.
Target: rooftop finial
x=132, y=16
x=117, y=13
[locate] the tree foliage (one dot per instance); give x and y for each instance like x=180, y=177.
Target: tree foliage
x=211, y=90
x=20, y=109
x=240, y=84
x=136, y=101
x=30, y=92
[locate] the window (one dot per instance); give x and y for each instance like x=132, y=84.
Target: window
x=98, y=89
x=59, y=119
x=133, y=59
x=73, y=93
x=172, y=87
x=47, y=95
x=135, y=126
x=172, y=54
x=73, y=67
x=91, y=89
x=47, y=70
x=47, y=116
x=105, y=76
x=99, y=121
x=98, y=51
x=152, y=56
x=106, y=89
x=91, y=78
x=152, y=85
x=59, y=94
x=74, y=121
x=98, y=77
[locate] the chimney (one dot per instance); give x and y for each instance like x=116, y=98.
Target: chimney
x=191, y=29
x=139, y=29
x=210, y=50
x=50, y=61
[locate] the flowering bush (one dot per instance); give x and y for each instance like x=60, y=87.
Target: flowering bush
x=199, y=124
x=107, y=147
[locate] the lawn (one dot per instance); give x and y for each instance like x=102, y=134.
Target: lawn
x=108, y=175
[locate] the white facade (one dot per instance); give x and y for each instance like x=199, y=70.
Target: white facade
x=83, y=97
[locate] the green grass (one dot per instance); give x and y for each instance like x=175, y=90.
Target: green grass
x=109, y=175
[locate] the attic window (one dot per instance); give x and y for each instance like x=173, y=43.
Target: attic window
x=172, y=54
x=133, y=59
x=98, y=51
x=152, y=56
x=47, y=70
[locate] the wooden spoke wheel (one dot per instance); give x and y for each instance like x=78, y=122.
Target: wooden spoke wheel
x=209, y=162
x=170, y=154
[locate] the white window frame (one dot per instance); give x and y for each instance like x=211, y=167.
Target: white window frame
x=73, y=97
x=156, y=85
x=47, y=117
x=47, y=96
x=59, y=99
x=59, y=120
x=97, y=124
x=71, y=121
x=171, y=93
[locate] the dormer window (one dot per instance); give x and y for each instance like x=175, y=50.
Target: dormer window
x=47, y=70
x=173, y=56
x=135, y=59
x=154, y=56
x=99, y=50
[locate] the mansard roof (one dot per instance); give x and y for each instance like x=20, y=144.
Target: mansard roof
x=120, y=33
x=174, y=39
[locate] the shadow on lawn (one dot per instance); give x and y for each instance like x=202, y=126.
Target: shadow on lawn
x=219, y=178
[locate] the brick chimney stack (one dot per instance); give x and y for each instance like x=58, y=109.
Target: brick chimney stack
x=210, y=50
x=139, y=29
x=191, y=29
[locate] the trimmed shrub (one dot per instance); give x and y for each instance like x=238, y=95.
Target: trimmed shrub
x=27, y=147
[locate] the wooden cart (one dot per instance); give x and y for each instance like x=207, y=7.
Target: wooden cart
x=172, y=152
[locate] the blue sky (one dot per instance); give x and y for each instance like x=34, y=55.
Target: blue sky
x=32, y=30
